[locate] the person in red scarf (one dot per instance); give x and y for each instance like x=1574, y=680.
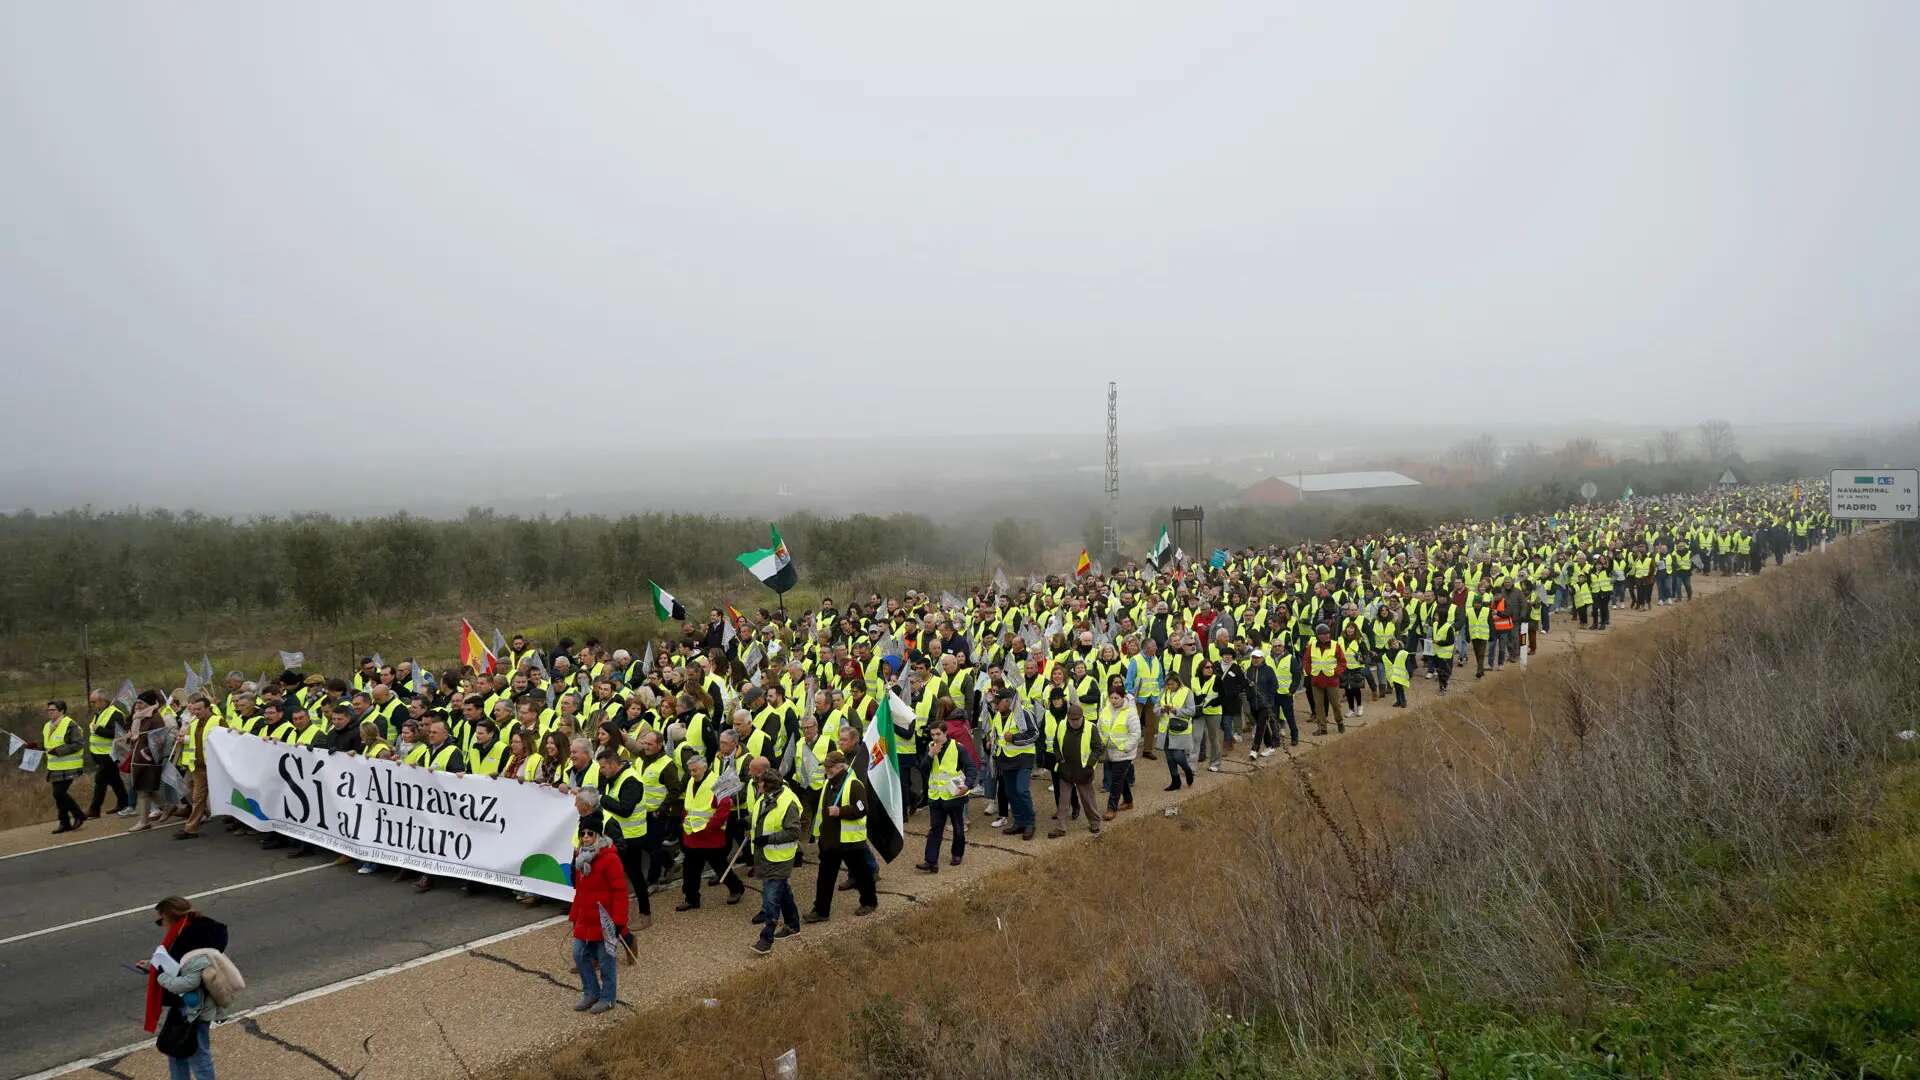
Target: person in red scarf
x=599, y=914
x=185, y=931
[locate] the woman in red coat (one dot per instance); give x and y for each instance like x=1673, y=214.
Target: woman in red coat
x=599, y=915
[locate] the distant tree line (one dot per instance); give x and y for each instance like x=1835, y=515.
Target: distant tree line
x=134, y=564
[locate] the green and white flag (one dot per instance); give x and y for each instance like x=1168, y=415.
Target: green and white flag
x=885, y=831
x=773, y=565
x=664, y=604
x=1158, y=556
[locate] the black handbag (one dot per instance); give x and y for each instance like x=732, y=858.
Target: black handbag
x=177, y=1038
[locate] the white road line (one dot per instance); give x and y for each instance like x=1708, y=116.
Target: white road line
x=149, y=907
x=89, y=840
x=309, y=995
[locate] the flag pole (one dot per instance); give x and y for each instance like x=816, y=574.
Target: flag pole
x=86, y=666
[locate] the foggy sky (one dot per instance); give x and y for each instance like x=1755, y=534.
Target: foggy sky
x=414, y=232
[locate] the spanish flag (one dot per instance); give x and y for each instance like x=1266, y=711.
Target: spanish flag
x=1085, y=564
x=473, y=651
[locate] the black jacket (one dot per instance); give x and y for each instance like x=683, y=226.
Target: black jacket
x=1232, y=689
x=1263, y=688
x=199, y=933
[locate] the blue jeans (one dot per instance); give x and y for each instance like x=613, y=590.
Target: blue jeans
x=594, y=961
x=776, y=903
x=200, y=1065
x=1019, y=799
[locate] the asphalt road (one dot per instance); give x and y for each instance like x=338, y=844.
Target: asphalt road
x=64, y=994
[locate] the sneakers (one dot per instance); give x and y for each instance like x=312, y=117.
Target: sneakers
x=1215, y=767
x=997, y=823
x=583, y=1004
x=1268, y=752
x=125, y=811
x=600, y=1007
x=1056, y=833
x=368, y=869
x=1359, y=711
x=761, y=948
x=865, y=909
x=786, y=931
x=813, y=917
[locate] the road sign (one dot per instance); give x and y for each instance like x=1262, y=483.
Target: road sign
x=1874, y=494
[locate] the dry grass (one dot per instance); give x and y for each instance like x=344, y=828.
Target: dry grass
x=1471, y=847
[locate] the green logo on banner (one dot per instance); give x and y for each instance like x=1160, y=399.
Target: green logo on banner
x=247, y=804
x=543, y=867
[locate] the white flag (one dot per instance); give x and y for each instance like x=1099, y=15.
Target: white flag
x=14, y=744
x=124, y=696
x=30, y=761
x=292, y=659
x=646, y=660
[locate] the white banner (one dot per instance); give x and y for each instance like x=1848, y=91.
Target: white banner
x=499, y=832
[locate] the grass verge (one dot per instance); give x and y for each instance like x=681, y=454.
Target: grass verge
x=1809, y=971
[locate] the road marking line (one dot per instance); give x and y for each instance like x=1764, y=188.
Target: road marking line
x=310, y=995
x=149, y=907
x=88, y=840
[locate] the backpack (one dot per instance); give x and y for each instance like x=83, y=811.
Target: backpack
x=221, y=979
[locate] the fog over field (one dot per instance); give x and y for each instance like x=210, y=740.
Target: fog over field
x=363, y=258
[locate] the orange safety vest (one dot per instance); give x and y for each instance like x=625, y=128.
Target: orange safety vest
x=1501, y=621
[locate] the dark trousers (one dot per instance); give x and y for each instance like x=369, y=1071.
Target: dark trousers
x=952, y=812
x=1262, y=735
x=1119, y=783
x=913, y=776
x=1602, y=610
x=1286, y=719
x=106, y=777
x=693, y=873
x=654, y=845
x=831, y=860
x=630, y=852
x=70, y=812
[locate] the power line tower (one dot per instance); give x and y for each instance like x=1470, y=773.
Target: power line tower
x=1109, y=541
